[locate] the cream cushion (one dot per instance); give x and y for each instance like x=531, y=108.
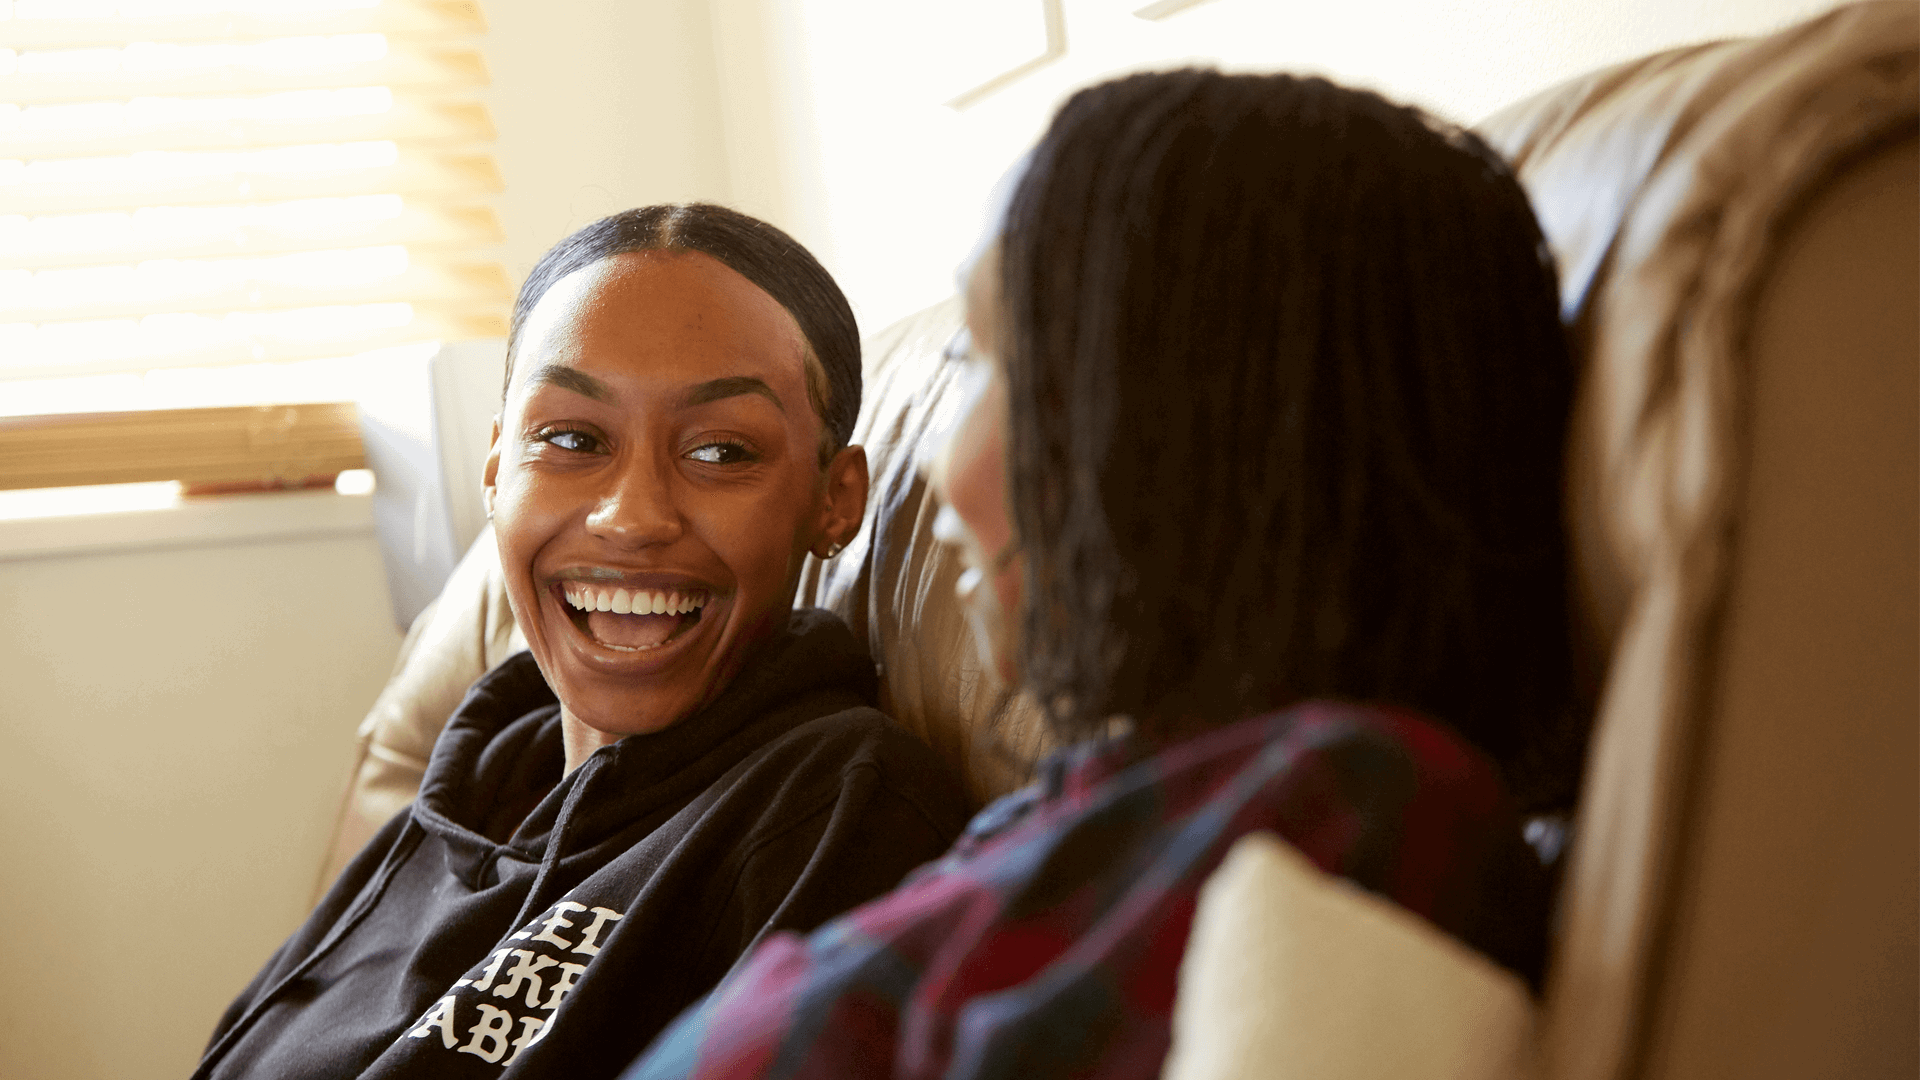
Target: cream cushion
x=1292, y=972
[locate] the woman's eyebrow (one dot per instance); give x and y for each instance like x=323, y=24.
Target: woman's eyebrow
x=572, y=379
x=732, y=386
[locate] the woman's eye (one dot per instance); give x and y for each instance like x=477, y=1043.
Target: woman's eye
x=721, y=453
x=577, y=441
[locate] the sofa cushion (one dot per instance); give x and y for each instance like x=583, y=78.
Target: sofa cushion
x=464, y=633
x=894, y=583
x=1290, y=971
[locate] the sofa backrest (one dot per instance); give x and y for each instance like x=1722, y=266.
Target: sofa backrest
x=894, y=583
x=1735, y=226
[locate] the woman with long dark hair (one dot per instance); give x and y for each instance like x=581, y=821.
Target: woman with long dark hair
x=1258, y=486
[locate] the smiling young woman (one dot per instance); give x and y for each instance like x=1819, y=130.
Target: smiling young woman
x=681, y=763
x=670, y=456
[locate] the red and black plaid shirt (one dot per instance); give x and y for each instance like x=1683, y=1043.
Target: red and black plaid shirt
x=1047, y=942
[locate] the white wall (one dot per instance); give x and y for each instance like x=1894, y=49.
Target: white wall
x=891, y=182
x=828, y=117
x=175, y=728
x=600, y=105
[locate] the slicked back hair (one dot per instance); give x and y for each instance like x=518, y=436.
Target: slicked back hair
x=755, y=250
x=1290, y=396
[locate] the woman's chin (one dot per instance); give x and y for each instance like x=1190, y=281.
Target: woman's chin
x=992, y=636
x=618, y=678
x=634, y=680
x=992, y=648
x=605, y=721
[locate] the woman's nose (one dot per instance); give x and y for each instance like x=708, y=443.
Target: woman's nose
x=637, y=508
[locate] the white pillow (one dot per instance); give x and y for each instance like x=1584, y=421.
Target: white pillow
x=1291, y=972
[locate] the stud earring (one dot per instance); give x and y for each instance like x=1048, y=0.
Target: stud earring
x=833, y=549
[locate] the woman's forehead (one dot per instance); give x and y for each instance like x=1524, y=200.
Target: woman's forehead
x=671, y=313
x=980, y=286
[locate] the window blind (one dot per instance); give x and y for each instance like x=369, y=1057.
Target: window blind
x=200, y=183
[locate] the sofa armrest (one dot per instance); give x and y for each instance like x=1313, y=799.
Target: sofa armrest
x=466, y=632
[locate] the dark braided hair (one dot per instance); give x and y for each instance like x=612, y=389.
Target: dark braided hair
x=1289, y=398
x=755, y=250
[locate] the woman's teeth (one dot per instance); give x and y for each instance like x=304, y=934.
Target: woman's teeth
x=634, y=602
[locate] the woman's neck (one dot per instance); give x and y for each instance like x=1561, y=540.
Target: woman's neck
x=581, y=739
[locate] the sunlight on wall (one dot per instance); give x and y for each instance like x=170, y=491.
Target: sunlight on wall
x=897, y=177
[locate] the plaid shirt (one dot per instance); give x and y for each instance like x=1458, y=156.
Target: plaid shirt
x=1047, y=942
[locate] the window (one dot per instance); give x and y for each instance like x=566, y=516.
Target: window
x=210, y=207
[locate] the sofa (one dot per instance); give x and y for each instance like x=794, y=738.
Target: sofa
x=1736, y=229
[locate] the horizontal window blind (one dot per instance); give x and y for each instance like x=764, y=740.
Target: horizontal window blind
x=198, y=183
x=265, y=445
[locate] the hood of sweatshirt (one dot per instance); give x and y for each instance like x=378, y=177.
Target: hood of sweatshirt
x=493, y=787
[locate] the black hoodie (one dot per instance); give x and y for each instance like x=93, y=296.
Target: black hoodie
x=511, y=925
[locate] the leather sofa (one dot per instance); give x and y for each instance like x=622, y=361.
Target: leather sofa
x=1737, y=227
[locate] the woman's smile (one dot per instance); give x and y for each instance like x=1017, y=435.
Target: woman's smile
x=633, y=614
x=637, y=620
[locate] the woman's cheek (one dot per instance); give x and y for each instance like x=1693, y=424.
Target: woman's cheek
x=977, y=481
x=524, y=520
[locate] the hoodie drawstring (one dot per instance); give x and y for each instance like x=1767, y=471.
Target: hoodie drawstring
x=556, y=842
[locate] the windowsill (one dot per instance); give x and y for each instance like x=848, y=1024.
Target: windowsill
x=198, y=521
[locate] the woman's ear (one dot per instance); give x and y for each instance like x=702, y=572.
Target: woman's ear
x=490, y=474
x=844, y=503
